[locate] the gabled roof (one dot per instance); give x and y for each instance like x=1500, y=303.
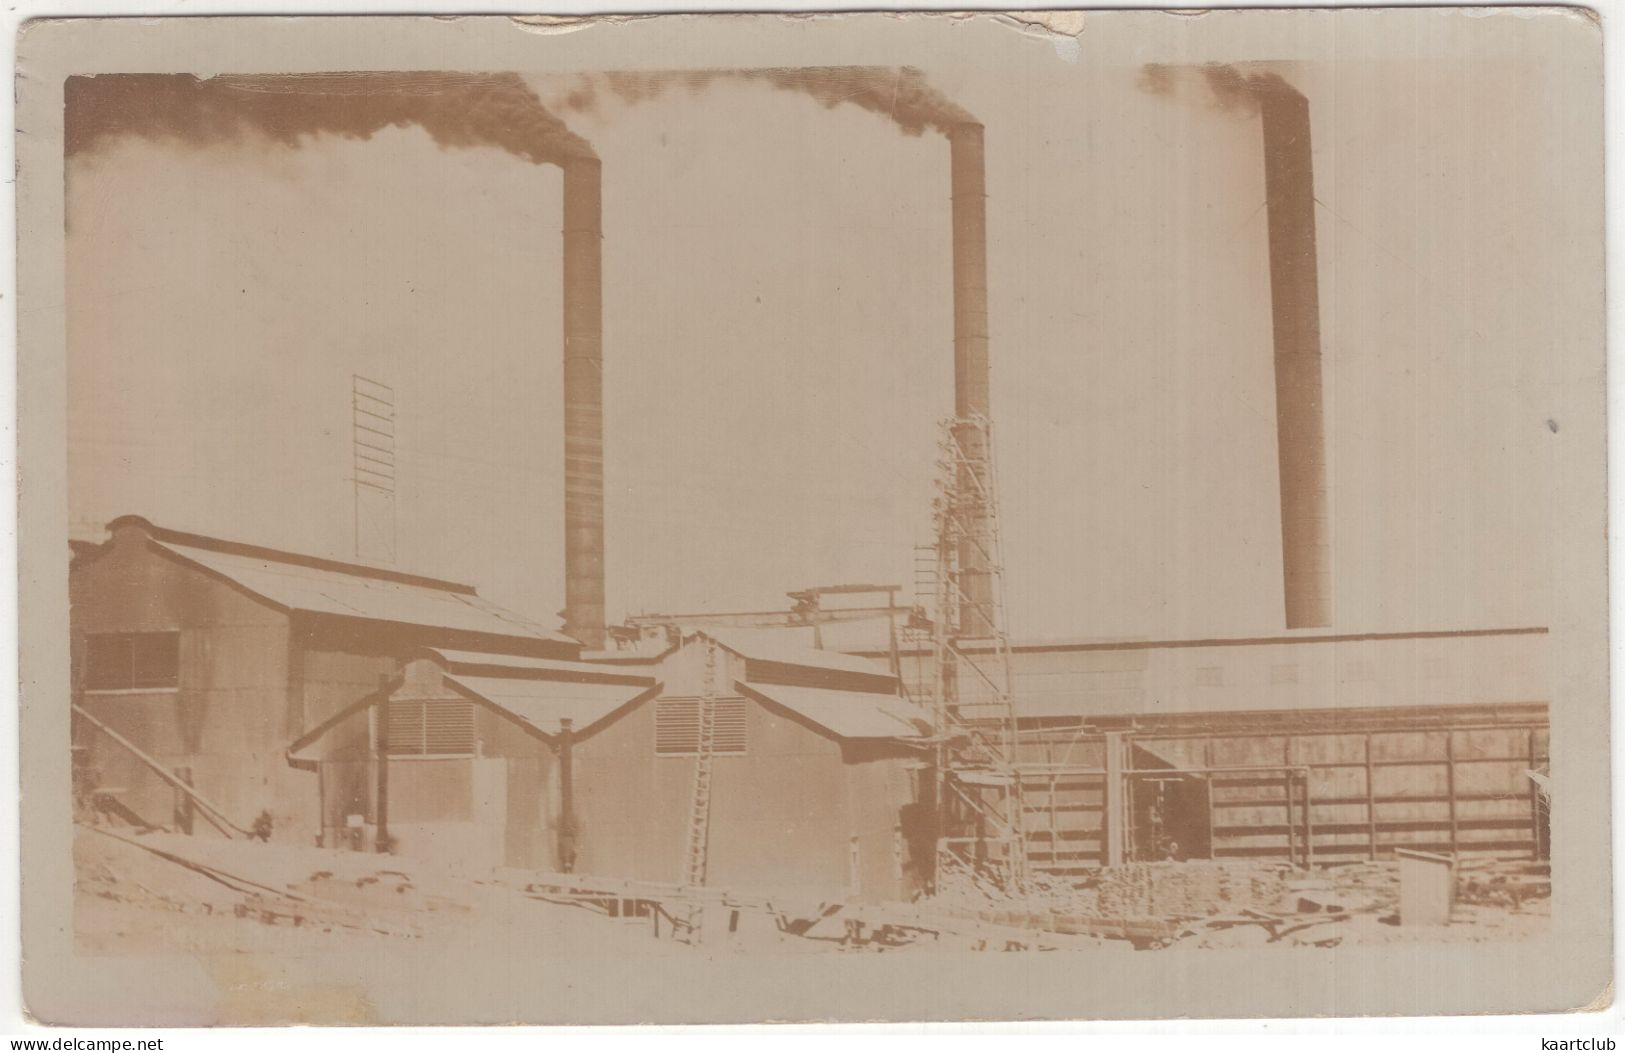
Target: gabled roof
x=544, y=704
x=539, y=693
x=848, y=714
x=542, y=692
x=295, y=582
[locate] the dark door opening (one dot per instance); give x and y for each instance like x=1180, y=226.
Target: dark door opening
x=1171, y=817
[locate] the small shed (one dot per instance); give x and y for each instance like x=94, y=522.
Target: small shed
x=814, y=767
x=473, y=747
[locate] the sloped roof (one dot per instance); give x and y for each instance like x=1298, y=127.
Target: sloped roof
x=543, y=704
x=480, y=663
x=777, y=645
x=849, y=714
x=295, y=583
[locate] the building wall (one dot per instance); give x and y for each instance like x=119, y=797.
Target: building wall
x=496, y=808
x=1348, y=786
x=227, y=719
x=794, y=813
x=798, y=812
x=880, y=786
x=529, y=793
x=1419, y=740
x=453, y=810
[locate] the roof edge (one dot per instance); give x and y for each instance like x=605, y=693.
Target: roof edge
x=1040, y=646
x=275, y=555
x=557, y=670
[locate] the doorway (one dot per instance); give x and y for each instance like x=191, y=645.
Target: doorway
x=1171, y=817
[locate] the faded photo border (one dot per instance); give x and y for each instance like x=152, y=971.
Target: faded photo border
x=1570, y=968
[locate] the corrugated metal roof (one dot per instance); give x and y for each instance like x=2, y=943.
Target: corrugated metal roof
x=304, y=588
x=779, y=645
x=544, y=703
x=526, y=667
x=1352, y=673
x=849, y=714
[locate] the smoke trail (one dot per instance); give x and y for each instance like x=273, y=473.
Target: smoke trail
x=455, y=109
x=1225, y=87
x=901, y=95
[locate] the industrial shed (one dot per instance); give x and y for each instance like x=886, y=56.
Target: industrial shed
x=499, y=760
x=1303, y=747
x=207, y=657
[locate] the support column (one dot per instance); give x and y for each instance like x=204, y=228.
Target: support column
x=381, y=799
x=567, y=813
x=1114, y=816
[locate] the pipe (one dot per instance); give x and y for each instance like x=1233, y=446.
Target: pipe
x=381, y=804
x=567, y=814
x=972, y=405
x=583, y=402
x=1289, y=184
x=209, y=810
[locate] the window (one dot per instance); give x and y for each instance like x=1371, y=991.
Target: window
x=132, y=661
x=1284, y=674
x=677, y=726
x=432, y=727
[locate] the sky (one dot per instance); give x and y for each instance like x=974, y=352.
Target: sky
x=778, y=345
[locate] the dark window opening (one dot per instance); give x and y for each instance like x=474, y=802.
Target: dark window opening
x=434, y=727
x=132, y=661
x=677, y=726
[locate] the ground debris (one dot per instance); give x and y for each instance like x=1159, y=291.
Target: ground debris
x=1197, y=888
x=1503, y=883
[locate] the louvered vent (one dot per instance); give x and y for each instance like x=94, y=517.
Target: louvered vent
x=436, y=727
x=677, y=726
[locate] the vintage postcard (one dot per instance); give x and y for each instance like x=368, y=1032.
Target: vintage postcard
x=677, y=519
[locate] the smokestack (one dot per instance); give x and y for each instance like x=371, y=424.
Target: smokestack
x=456, y=110
x=583, y=402
x=1289, y=183
x=971, y=402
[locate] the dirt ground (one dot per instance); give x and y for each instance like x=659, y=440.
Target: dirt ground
x=129, y=901
x=1234, y=904
x=245, y=898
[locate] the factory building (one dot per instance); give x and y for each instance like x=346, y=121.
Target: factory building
x=347, y=706
x=255, y=676
x=1303, y=747
x=209, y=657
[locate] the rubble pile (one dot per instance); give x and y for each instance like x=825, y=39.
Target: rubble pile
x=960, y=887
x=1190, y=889
x=1507, y=884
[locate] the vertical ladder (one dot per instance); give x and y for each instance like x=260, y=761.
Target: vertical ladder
x=918, y=633
x=699, y=822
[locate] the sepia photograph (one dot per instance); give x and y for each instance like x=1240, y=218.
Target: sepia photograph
x=702, y=519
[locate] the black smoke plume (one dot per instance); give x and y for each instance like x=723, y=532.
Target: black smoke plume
x=455, y=109
x=902, y=94
x=1228, y=88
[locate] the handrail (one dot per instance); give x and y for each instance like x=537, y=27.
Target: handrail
x=165, y=774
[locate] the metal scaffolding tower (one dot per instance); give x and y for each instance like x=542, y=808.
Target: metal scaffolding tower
x=979, y=798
